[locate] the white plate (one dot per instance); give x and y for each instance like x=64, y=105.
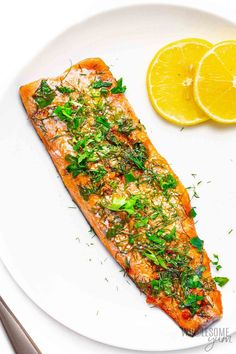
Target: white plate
x=78, y=283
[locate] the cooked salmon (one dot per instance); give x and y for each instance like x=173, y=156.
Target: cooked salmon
x=132, y=199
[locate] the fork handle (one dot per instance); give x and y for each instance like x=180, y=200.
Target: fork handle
x=21, y=341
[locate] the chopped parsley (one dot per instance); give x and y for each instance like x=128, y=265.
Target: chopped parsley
x=141, y=223
x=192, y=213
x=104, y=91
x=221, y=281
x=119, y=88
x=64, y=112
x=190, y=280
x=158, y=260
x=122, y=204
x=129, y=177
x=197, y=242
x=164, y=283
x=156, y=239
x=65, y=89
x=192, y=302
x=216, y=262
x=77, y=164
x=44, y=95
x=170, y=236
x=103, y=120
x=131, y=239
x=97, y=175
x=98, y=84
x=167, y=182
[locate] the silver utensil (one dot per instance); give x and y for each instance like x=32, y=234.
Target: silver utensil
x=21, y=342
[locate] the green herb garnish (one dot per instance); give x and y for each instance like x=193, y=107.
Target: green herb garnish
x=158, y=260
x=129, y=177
x=119, y=88
x=197, y=242
x=192, y=302
x=103, y=120
x=97, y=175
x=104, y=91
x=127, y=263
x=193, y=281
x=162, y=284
x=216, y=262
x=125, y=125
x=65, y=89
x=171, y=235
x=100, y=83
x=192, y=213
x=156, y=239
x=64, y=112
x=85, y=192
x=221, y=281
x=44, y=95
x=77, y=164
x=122, y=204
x=141, y=223
x=167, y=182
x=131, y=239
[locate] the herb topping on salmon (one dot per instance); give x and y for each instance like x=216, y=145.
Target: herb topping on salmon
x=127, y=191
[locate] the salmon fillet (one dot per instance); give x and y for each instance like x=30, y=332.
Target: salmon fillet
x=128, y=193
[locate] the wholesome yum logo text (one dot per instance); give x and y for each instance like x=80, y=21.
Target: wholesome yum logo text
x=214, y=335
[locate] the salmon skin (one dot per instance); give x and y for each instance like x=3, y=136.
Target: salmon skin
x=132, y=199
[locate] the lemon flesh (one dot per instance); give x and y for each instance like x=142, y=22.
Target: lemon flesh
x=215, y=82
x=170, y=79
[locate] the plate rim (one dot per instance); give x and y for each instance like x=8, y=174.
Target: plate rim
x=5, y=260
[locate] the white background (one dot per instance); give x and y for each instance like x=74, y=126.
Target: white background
x=25, y=27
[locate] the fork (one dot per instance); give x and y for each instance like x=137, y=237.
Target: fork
x=21, y=342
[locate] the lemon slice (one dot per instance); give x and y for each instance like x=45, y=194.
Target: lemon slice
x=215, y=82
x=170, y=79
